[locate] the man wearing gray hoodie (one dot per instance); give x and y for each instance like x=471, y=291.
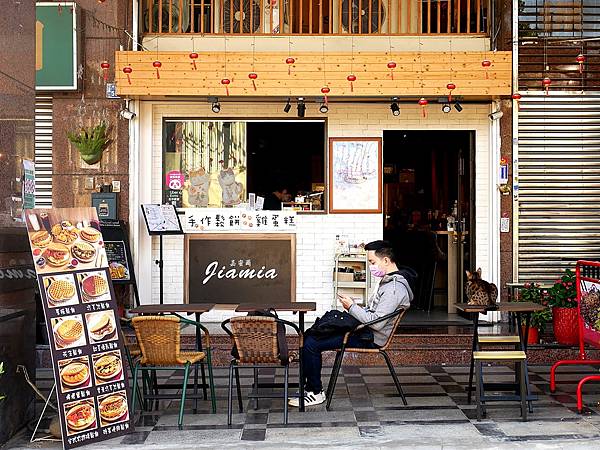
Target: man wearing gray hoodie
x=393, y=292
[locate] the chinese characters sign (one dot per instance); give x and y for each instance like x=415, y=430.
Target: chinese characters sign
x=198, y=220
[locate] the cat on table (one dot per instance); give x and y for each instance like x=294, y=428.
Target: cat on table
x=479, y=291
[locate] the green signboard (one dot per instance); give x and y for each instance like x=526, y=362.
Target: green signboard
x=56, y=46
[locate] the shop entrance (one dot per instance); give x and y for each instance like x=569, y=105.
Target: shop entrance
x=429, y=213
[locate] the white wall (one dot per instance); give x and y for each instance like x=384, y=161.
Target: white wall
x=316, y=233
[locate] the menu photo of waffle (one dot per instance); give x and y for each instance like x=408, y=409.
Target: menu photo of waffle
x=74, y=373
x=80, y=416
x=68, y=332
x=60, y=290
x=101, y=326
x=94, y=286
x=108, y=367
x=113, y=408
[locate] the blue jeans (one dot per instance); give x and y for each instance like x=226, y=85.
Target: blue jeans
x=312, y=360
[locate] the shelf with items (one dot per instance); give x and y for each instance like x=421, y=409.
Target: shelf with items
x=351, y=277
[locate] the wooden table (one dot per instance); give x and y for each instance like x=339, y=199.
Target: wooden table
x=517, y=308
x=296, y=307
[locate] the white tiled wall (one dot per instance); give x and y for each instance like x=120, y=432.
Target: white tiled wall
x=316, y=233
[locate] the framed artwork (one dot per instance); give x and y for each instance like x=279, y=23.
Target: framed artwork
x=355, y=175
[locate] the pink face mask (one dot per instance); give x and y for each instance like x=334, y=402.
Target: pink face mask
x=376, y=271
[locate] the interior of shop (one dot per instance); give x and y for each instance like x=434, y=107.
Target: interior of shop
x=428, y=181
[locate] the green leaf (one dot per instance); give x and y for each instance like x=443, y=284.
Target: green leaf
x=91, y=142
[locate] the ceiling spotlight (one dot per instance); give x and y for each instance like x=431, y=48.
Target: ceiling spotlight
x=446, y=108
x=287, y=107
x=216, y=106
x=301, y=107
x=323, y=108
x=458, y=106
x=394, y=107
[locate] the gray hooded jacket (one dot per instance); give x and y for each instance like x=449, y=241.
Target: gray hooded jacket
x=393, y=292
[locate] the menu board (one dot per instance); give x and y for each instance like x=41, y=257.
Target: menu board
x=86, y=342
x=118, y=265
x=161, y=219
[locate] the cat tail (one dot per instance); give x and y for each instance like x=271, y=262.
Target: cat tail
x=493, y=293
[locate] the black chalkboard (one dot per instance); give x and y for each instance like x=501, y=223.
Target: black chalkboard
x=241, y=268
x=116, y=252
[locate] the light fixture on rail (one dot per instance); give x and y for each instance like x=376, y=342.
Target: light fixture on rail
x=287, y=107
x=446, y=108
x=323, y=108
x=394, y=107
x=301, y=107
x=216, y=106
x=458, y=107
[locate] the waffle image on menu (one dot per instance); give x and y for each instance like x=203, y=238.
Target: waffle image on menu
x=68, y=332
x=94, y=286
x=113, y=408
x=74, y=373
x=80, y=416
x=60, y=290
x=108, y=367
x=101, y=326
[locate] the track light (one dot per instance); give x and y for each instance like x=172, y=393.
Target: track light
x=394, y=106
x=301, y=107
x=458, y=107
x=446, y=108
x=323, y=108
x=287, y=107
x=216, y=106
x=126, y=114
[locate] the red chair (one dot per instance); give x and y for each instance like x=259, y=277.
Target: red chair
x=587, y=275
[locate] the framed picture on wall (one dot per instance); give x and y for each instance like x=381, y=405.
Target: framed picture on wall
x=355, y=175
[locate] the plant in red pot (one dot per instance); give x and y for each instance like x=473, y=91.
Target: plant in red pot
x=563, y=299
x=532, y=292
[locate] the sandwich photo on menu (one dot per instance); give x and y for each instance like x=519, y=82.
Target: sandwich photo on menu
x=107, y=367
x=68, y=332
x=101, y=326
x=74, y=373
x=113, y=408
x=80, y=416
x=60, y=290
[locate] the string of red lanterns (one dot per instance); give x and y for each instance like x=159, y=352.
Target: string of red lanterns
x=351, y=78
x=580, y=59
x=226, y=82
x=289, y=61
x=157, y=65
x=253, y=76
x=127, y=71
x=423, y=102
x=450, y=87
x=194, y=57
x=391, y=65
x=486, y=64
x=546, y=82
x=105, y=65
x=517, y=97
x=325, y=91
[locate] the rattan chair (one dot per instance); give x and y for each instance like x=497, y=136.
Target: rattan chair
x=255, y=338
x=159, y=341
x=397, y=316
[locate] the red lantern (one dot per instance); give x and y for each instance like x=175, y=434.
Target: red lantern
x=253, y=76
x=351, y=78
x=194, y=57
x=486, y=64
x=546, y=82
x=289, y=61
x=517, y=97
x=423, y=102
x=450, y=87
x=127, y=71
x=226, y=82
x=580, y=59
x=105, y=66
x=391, y=65
x=157, y=65
x=325, y=90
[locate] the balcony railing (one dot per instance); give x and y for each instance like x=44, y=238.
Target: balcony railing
x=310, y=17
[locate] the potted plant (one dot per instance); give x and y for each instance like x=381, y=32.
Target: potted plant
x=91, y=142
x=532, y=292
x=563, y=299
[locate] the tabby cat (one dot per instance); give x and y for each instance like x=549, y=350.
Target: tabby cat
x=480, y=292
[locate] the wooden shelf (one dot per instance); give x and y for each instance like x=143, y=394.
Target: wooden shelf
x=352, y=284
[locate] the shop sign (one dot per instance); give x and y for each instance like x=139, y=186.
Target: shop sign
x=175, y=180
x=86, y=342
x=198, y=220
x=118, y=265
x=28, y=184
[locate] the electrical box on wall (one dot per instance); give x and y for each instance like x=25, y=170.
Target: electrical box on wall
x=107, y=205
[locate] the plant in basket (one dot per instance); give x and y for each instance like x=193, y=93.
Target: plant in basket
x=532, y=292
x=563, y=299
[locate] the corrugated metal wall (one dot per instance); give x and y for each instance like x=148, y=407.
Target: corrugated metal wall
x=559, y=183
x=43, y=152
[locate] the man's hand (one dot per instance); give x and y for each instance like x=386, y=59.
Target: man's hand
x=346, y=301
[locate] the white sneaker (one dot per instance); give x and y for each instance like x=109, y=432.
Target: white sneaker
x=310, y=399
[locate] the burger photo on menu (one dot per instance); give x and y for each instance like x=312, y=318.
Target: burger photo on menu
x=68, y=332
x=80, y=416
x=60, y=290
x=108, y=367
x=94, y=286
x=113, y=408
x=101, y=326
x=74, y=373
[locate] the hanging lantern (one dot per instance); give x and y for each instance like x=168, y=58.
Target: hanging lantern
x=289, y=61
x=423, y=102
x=157, y=65
x=253, y=76
x=325, y=90
x=486, y=64
x=391, y=65
x=580, y=59
x=546, y=82
x=194, y=57
x=450, y=87
x=351, y=78
x=127, y=71
x=226, y=82
x=104, y=65
x=517, y=97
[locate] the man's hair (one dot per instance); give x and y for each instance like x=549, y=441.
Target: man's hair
x=382, y=249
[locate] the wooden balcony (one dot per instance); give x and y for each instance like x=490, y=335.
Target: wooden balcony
x=314, y=17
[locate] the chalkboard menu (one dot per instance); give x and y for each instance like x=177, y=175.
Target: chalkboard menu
x=118, y=265
x=240, y=268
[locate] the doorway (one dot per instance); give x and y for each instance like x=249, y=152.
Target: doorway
x=429, y=207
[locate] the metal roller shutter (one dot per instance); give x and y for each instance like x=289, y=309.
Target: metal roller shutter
x=43, y=152
x=559, y=183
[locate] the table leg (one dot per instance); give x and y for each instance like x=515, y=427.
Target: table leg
x=301, y=321
x=475, y=317
x=523, y=339
x=199, y=348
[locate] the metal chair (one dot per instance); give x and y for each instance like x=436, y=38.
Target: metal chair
x=159, y=339
x=397, y=316
x=256, y=341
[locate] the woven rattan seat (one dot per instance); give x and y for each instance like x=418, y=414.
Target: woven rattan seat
x=134, y=350
x=192, y=357
x=256, y=340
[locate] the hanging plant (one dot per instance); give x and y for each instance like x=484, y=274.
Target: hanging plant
x=91, y=142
